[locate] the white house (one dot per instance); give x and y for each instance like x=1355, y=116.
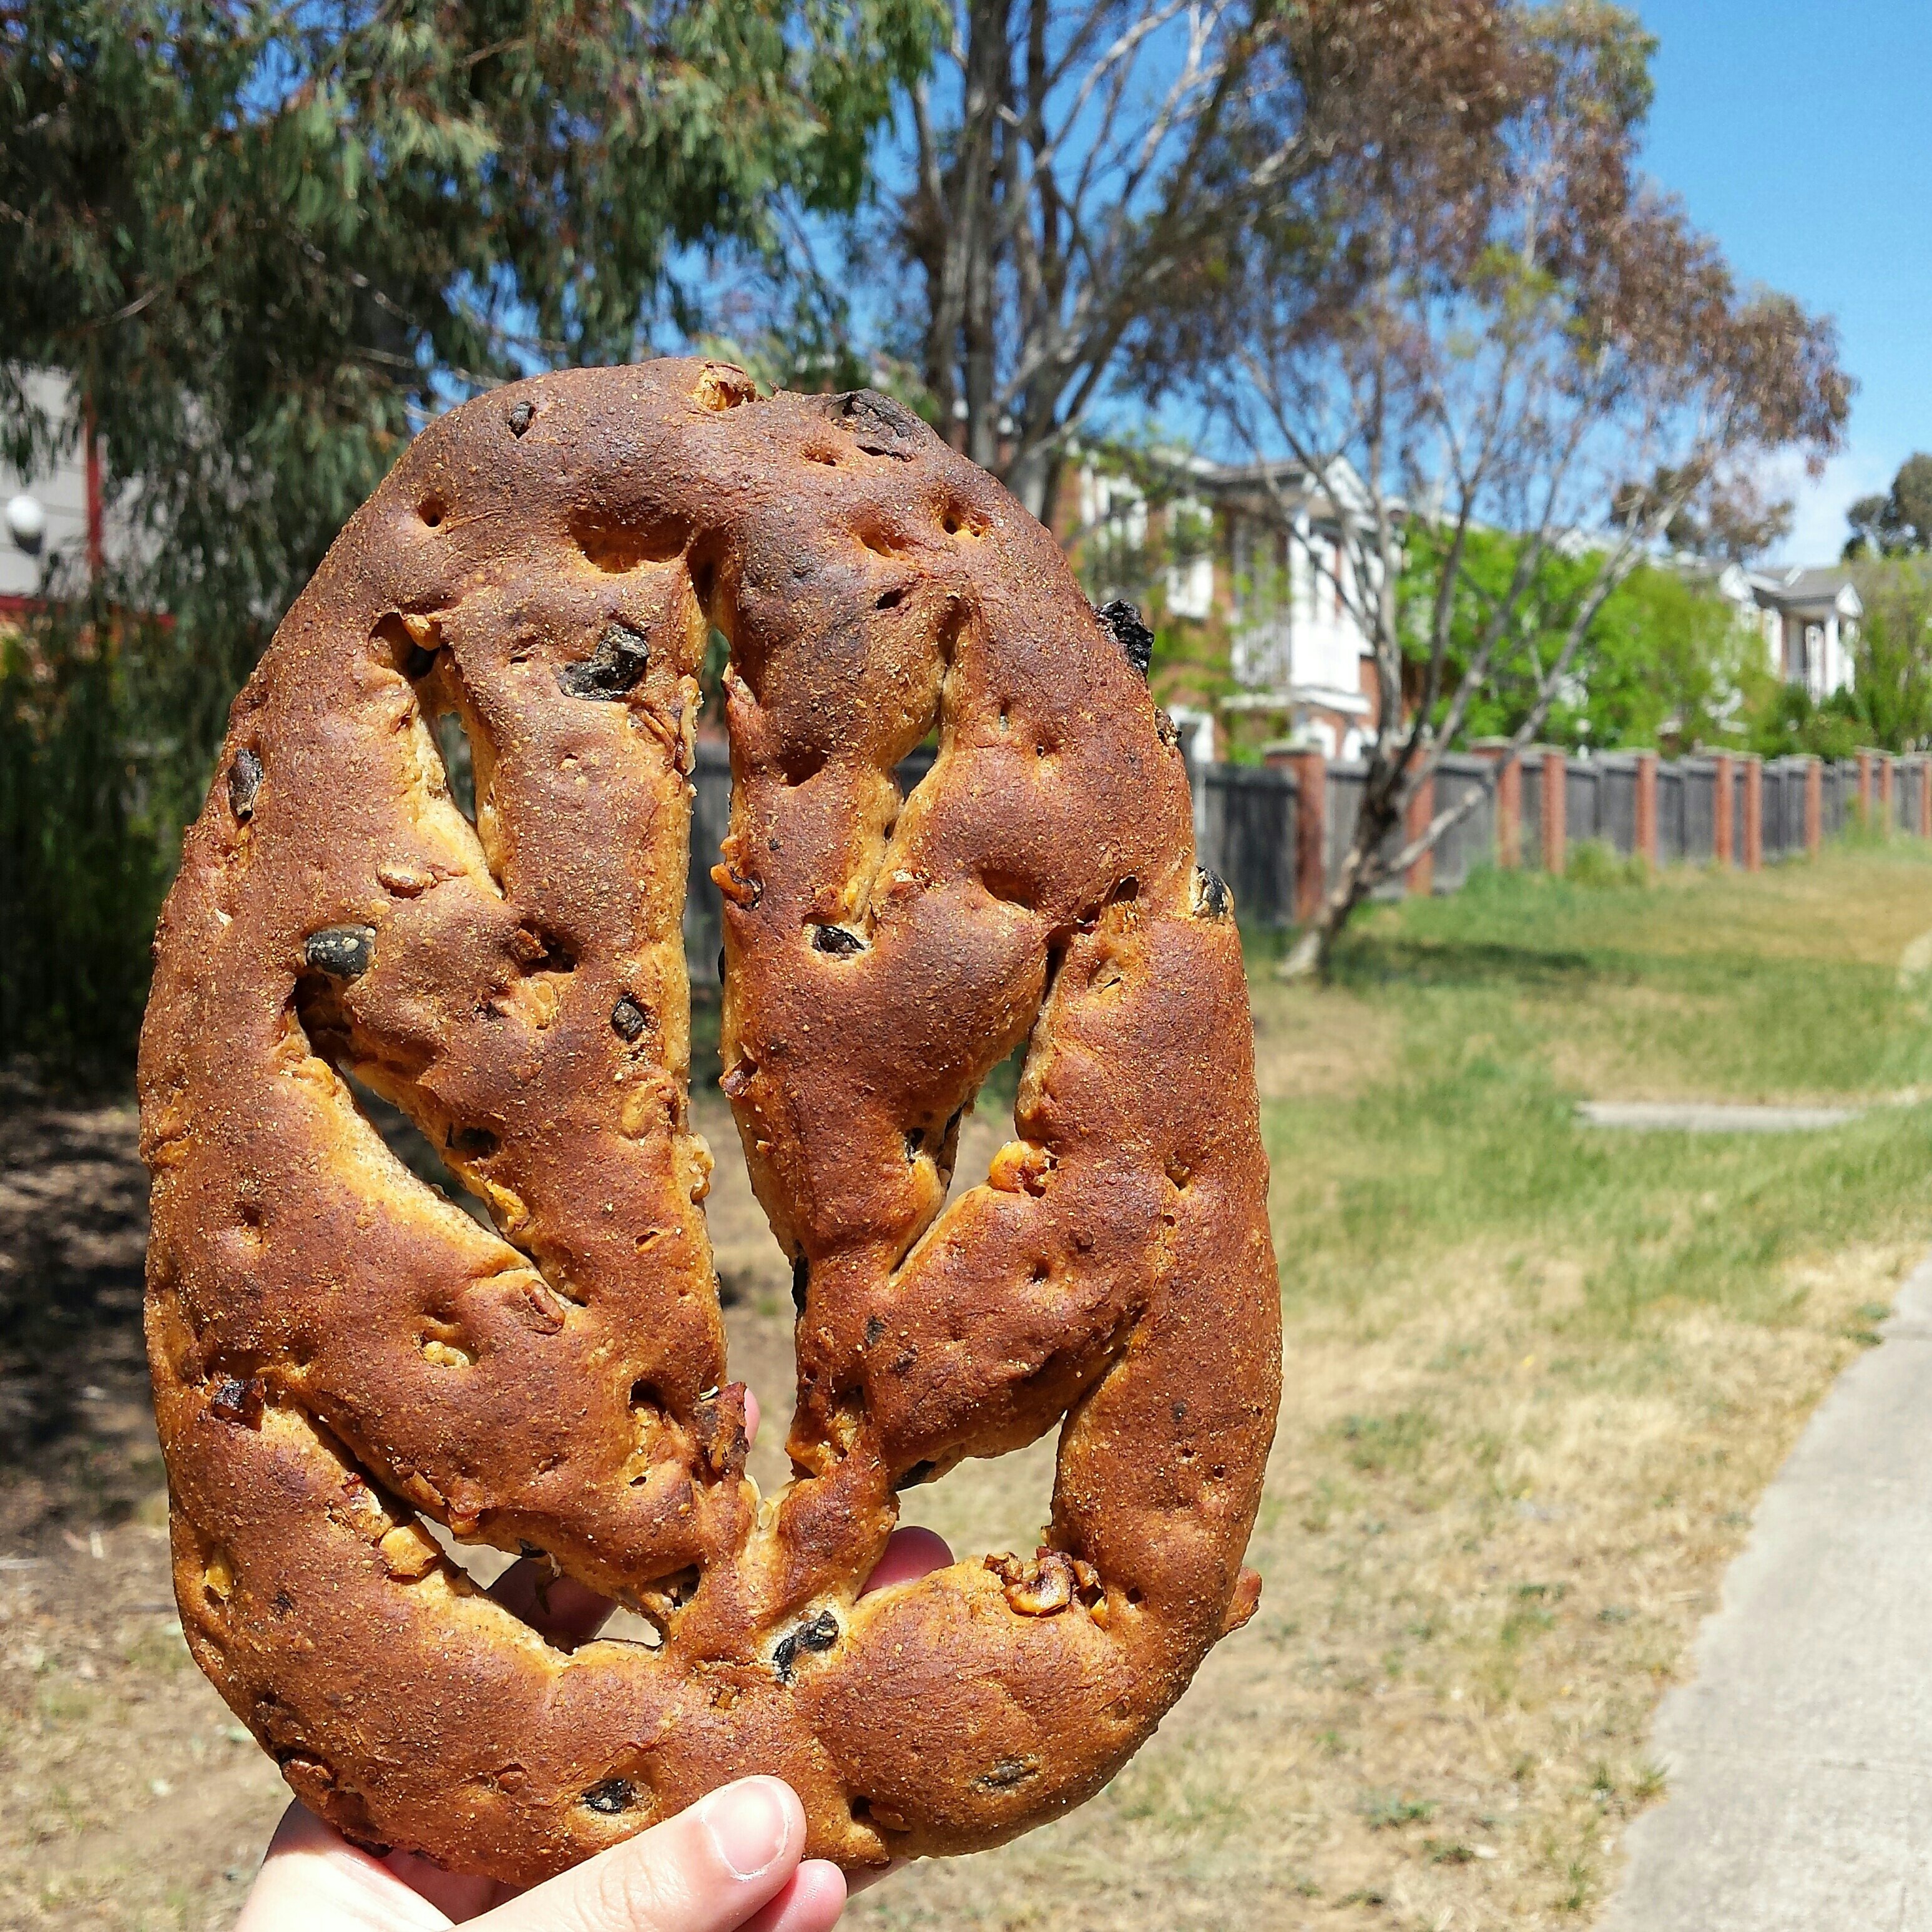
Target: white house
x=1264, y=553
x=1807, y=618
x=1298, y=643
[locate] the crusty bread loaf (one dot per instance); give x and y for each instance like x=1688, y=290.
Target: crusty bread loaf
x=337, y=1350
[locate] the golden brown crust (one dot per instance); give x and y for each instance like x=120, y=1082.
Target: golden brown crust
x=335, y=1349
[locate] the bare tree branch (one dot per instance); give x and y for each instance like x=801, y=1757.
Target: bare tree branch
x=1498, y=313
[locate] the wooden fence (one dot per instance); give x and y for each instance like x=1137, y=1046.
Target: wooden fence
x=1278, y=832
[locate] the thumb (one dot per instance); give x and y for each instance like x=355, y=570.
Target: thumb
x=707, y=1870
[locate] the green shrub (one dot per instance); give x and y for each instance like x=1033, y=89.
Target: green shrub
x=88, y=831
x=1598, y=864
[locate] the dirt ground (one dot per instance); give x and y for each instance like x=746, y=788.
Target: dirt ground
x=129, y=1796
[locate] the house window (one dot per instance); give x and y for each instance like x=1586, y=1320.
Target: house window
x=1190, y=588
x=1267, y=569
x=1261, y=655
x=1324, y=590
x=1190, y=571
x=1115, y=514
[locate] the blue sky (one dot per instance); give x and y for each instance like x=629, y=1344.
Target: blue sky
x=1799, y=134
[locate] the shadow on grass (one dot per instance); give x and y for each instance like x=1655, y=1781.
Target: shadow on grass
x=1502, y=930
x=1377, y=959
x=74, y=1438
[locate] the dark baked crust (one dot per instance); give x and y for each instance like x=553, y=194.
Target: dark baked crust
x=335, y=1348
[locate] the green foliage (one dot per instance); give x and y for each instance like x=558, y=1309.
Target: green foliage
x=1664, y=661
x=1899, y=524
x=264, y=243
x=1892, y=685
x=1784, y=718
x=1597, y=866
x=85, y=846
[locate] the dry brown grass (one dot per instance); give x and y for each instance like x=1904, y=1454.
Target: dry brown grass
x=1485, y=1554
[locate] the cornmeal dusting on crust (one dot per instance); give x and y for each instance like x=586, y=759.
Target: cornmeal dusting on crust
x=338, y=1353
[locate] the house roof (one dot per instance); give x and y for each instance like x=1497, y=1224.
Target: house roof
x=1798, y=590
x=1815, y=591
x=1342, y=493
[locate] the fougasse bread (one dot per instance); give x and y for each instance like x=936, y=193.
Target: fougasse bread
x=339, y=1353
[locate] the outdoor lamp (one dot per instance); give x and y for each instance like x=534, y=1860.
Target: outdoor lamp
x=26, y=522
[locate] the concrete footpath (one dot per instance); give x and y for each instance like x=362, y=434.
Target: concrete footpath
x=1800, y=1754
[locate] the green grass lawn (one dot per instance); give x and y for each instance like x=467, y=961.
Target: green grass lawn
x=1537, y=1375
x=1495, y=1011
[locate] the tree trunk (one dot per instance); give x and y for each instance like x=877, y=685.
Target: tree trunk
x=950, y=231
x=1315, y=946
x=1032, y=478
x=1308, y=958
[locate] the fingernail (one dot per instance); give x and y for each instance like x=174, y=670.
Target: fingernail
x=748, y=1824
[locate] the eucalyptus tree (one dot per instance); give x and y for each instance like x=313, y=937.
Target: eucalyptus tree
x=1062, y=173
x=1487, y=322
x=1898, y=523
x=262, y=242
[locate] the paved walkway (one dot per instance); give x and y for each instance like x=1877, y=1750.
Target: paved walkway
x=1711, y=1117
x=1800, y=1756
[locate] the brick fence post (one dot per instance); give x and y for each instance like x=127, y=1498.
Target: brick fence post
x=1509, y=801
x=1814, y=805
x=1645, y=837
x=1753, y=814
x=1421, y=877
x=1310, y=768
x=1555, y=821
x=1723, y=810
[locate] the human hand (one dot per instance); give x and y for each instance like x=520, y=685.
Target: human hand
x=733, y=1862
x=729, y=1863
